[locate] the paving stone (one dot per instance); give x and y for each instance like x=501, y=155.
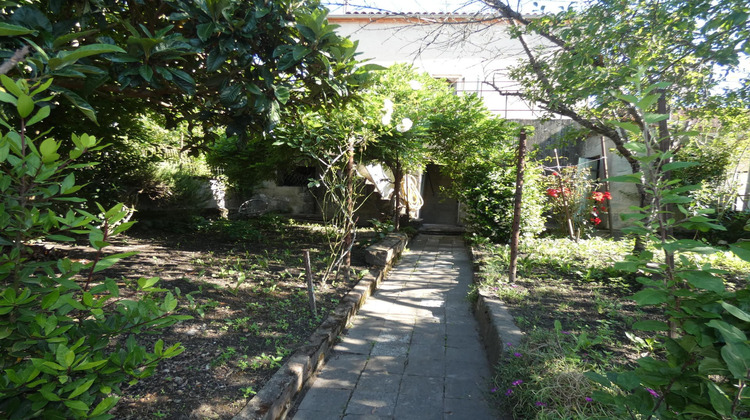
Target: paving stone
x=365, y=417
x=413, y=352
x=369, y=402
x=354, y=345
x=425, y=367
x=468, y=350
x=427, y=351
x=434, y=339
x=467, y=367
x=331, y=401
x=471, y=387
x=386, y=364
x=390, y=349
x=466, y=409
x=315, y=415
x=341, y=371
x=379, y=382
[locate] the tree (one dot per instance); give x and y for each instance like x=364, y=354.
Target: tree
x=406, y=120
x=589, y=53
x=215, y=63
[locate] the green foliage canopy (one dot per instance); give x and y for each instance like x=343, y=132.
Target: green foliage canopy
x=578, y=61
x=212, y=62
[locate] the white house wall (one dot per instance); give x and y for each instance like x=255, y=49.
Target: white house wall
x=472, y=54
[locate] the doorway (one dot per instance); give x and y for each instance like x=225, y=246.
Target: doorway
x=438, y=208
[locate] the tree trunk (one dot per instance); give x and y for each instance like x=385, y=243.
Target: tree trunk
x=398, y=177
x=515, y=232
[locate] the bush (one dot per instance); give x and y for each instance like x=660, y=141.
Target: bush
x=69, y=339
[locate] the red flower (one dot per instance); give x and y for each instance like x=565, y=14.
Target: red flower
x=600, y=196
x=555, y=174
x=552, y=192
x=602, y=208
x=596, y=220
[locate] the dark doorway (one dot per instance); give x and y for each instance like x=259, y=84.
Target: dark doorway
x=438, y=208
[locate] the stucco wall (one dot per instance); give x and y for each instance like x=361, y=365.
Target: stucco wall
x=472, y=54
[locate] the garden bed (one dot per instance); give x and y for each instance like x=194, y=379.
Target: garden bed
x=574, y=310
x=244, y=285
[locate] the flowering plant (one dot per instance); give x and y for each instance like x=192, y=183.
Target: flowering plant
x=575, y=205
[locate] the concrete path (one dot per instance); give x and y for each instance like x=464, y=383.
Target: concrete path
x=413, y=351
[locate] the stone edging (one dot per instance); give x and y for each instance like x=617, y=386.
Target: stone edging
x=274, y=400
x=496, y=324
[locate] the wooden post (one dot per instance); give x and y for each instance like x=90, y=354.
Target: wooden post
x=515, y=232
x=571, y=231
x=349, y=210
x=310, y=289
x=606, y=186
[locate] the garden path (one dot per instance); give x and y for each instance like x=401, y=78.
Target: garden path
x=413, y=351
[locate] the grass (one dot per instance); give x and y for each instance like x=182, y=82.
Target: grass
x=574, y=310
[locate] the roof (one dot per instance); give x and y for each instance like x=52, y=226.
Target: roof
x=391, y=17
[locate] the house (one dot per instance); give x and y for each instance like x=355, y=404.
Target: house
x=473, y=53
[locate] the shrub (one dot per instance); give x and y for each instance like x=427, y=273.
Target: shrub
x=68, y=338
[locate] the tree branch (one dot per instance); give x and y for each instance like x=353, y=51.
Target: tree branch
x=13, y=60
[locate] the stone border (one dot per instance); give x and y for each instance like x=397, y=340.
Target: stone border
x=276, y=398
x=496, y=325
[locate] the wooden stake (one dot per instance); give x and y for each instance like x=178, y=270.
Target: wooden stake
x=515, y=232
x=606, y=187
x=310, y=289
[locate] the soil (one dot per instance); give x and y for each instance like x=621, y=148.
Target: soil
x=250, y=311
x=597, y=311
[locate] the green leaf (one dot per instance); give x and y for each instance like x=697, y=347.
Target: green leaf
x=79, y=103
x=145, y=283
x=703, y=280
x=64, y=356
x=104, y=406
x=48, y=149
x=647, y=101
x=8, y=98
x=49, y=395
x=50, y=298
x=205, y=30
x=629, y=126
x=215, y=60
x=7, y=29
x=632, y=178
x=300, y=51
x=678, y=165
x=146, y=72
x=650, y=297
x=281, y=93
x=719, y=400
x=40, y=115
x=741, y=250
x=652, y=118
x=82, y=388
x=730, y=333
x=25, y=105
x=111, y=260
x=67, y=38
x=65, y=58
x=77, y=405
x=10, y=85
x=651, y=325
x=737, y=312
x=90, y=365
x=737, y=357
